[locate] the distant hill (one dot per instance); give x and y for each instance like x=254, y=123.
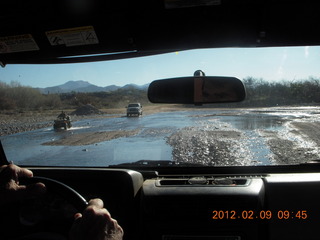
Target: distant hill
x=111, y=88
x=75, y=85
x=141, y=87
x=84, y=86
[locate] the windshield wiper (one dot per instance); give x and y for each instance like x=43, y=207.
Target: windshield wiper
x=153, y=163
x=311, y=162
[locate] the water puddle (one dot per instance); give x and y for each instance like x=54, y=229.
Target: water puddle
x=252, y=148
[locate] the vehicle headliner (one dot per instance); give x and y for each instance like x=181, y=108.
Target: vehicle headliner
x=136, y=28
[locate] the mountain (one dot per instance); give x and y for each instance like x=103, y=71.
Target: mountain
x=75, y=85
x=70, y=86
x=141, y=87
x=84, y=86
x=111, y=88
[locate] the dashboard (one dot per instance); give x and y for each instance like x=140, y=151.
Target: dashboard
x=206, y=206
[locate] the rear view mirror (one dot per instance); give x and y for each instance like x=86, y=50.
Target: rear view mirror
x=197, y=90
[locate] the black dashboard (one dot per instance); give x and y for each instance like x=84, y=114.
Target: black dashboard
x=204, y=206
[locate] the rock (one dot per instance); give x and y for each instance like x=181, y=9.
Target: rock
x=86, y=110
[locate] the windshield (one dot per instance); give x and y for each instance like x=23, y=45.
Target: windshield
x=75, y=114
x=133, y=105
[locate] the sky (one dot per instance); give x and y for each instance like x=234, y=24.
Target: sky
x=271, y=64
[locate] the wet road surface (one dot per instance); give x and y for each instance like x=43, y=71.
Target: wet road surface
x=210, y=137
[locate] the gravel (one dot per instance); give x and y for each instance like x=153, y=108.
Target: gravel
x=12, y=125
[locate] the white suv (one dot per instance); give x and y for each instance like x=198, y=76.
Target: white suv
x=134, y=109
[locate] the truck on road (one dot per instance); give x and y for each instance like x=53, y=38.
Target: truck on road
x=134, y=109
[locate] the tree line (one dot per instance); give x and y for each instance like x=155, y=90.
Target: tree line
x=260, y=93
x=263, y=93
x=14, y=96
x=119, y=98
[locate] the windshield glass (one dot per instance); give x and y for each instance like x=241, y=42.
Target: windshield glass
x=133, y=105
x=75, y=114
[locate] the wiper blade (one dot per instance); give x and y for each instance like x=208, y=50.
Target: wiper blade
x=154, y=163
x=311, y=162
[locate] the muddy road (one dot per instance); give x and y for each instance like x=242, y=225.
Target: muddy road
x=217, y=137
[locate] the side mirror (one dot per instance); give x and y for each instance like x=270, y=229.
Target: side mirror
x=197, y=90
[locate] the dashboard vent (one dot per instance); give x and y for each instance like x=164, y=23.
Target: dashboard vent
x=203, y=181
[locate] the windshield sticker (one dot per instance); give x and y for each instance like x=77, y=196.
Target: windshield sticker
x=19, y=43
x=171, y=4
x=73, y=36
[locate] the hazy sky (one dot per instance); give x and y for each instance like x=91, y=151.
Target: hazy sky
x=272, y=64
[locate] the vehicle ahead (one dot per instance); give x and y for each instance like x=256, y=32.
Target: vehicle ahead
x=134, y=109
x=62, y=121
x=188, y=170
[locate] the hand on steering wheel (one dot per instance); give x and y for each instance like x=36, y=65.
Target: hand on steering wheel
x=92, y=222
x=49, y=206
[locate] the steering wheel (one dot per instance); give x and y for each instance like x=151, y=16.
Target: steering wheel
x=53, y=211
